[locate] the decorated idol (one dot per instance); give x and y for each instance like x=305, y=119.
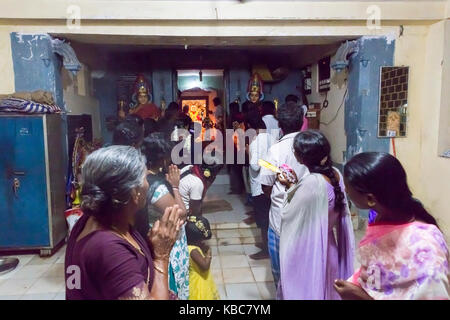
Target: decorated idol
x=255, y=89
x=142, y=105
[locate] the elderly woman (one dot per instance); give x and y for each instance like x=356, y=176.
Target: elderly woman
x=105, y=257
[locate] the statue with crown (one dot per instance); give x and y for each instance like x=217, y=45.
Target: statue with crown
x=255, y=94
x=142, y=100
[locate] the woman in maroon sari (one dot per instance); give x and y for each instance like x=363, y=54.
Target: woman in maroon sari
x=106, y=259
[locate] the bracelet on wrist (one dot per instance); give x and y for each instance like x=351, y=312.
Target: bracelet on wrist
x=160, y=270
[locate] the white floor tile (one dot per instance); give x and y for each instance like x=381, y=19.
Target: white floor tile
x=61, y=260
x=250, y=249
x=262, y=274
x=38, y=296
x=16, y=286
x=10, y=297
x=23, y=261
x=215, y=263
x=60, y=296
x=55, y=271
x=267, y=290
x=217, y=275
x=227, y=225
x=47, y=285
x=31, y=271
x=229, y=241
x=235, y=261
x=214, y=251
x=237, y=275
x=43, y=260
x=259, y=263
x=243, y=291
x=222, y=291
x=231, y=250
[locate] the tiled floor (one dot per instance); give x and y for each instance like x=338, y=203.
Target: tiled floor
x=236, y=275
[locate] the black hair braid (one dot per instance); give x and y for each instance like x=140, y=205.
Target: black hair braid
x=327, y=170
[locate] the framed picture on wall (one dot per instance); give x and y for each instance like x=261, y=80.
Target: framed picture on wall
x=393, y=102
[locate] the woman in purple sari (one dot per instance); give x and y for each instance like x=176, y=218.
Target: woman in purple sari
x=106, y=259
x=311, y=256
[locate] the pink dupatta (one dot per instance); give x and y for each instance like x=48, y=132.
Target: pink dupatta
x=403, y=262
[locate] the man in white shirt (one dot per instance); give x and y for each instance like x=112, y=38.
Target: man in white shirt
x=290, y=117
x=191, y=190
x=268, y=112
x=261, y=203
x=195, y=181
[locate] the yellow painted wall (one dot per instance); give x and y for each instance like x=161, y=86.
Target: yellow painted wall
x=6, y=64
x=429, y=175
x=334, y=131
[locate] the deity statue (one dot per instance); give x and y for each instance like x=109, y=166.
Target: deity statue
x=255, y=89
x=142, y=105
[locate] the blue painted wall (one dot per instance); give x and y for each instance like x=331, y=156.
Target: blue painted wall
x=281, y=89
x=105, y=91
x=239, y=81
x=237, y=86
x=162, y=86
x=361, y=106
x=36, y=67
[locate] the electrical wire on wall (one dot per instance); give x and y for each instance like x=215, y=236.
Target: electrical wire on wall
x=337, y=112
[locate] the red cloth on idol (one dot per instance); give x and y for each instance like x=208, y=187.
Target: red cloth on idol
x=148, y=111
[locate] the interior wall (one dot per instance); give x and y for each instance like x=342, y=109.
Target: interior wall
x=78, y=99
x=444, y=125
x=237, y=87
x=162, y=86
x=279, y=90
x=6, y=64
x=334, y=131
x=422, y=48
x=105, y=91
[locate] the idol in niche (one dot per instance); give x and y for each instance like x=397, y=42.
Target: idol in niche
x=142, y=105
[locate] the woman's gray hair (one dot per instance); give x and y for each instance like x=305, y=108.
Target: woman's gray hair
x=108, y=176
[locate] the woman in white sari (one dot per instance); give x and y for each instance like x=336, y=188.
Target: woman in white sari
x=311, y=256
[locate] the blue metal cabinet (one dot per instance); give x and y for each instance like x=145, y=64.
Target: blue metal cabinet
x=31, y=182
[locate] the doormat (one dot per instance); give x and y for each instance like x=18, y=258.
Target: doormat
x=216, y=206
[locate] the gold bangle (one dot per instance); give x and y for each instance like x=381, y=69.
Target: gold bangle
x=159, y=269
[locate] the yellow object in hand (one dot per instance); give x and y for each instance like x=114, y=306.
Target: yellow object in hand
x=269, y=166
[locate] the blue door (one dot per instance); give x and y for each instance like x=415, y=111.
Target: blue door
x=23, y=208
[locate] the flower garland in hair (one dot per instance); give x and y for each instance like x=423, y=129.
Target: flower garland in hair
x=199, y=224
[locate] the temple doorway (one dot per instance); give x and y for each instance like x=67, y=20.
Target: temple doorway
x=198, y=89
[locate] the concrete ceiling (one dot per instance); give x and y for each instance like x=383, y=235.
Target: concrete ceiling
x=131, y=52
x=244, y=42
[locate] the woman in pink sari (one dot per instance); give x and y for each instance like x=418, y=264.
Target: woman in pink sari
x=403, y=255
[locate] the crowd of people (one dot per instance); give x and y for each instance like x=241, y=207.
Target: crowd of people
x=142, y=235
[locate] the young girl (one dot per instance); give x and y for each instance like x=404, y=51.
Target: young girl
x=403, y=255
x=201, y=282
